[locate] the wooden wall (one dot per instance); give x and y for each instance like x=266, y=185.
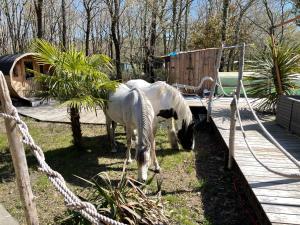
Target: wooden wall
x=22, y=86
x=190, y=67
x=288, y=113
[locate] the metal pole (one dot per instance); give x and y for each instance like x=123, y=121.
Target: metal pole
x=18, y=156
x=233, y=107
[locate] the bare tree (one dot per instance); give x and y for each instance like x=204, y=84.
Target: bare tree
x=16, y=12
x=224, y=29
x=38, y=6
x=64, y=25
x=243, y=8
x=114, y=11
x=89, y=6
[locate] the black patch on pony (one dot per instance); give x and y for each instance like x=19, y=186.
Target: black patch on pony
x=168, y=113
x=186, y=135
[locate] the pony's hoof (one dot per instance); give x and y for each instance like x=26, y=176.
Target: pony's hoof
x=114, y=150
x=141, y=182
x=128, y=161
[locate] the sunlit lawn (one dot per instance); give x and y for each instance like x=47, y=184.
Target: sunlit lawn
x=180, y=188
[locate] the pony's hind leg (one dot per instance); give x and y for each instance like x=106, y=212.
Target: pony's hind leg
x=153, y=150
x=128, y=138
x=134, y=138
x=172, y=135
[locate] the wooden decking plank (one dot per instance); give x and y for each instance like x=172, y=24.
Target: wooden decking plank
x=284, y=218
x=290, y=210
x=254, y=163
x=279, y=196
x=262, y=169
x=278, y=193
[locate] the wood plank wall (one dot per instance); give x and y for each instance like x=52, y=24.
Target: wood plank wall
x=190, y=67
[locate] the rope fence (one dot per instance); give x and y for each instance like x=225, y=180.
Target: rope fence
x=269, y=136
x=72, y=202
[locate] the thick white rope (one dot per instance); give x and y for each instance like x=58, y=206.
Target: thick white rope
x=287, y=154
x=219, y=84
x=289, y=175
x=86, y=209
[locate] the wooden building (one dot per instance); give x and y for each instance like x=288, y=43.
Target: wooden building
x=19, y=79
x=190, y=67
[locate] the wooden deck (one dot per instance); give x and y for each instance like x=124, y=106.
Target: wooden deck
x=278, y=196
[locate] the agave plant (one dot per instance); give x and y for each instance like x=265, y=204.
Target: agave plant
x=124, y=202
x=76, y=80
x=264, y=83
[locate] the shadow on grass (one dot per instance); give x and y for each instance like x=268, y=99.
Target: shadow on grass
x=221, y=202
x=85, y=163
x=70, y=161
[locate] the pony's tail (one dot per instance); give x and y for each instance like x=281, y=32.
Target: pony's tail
x=203, y=80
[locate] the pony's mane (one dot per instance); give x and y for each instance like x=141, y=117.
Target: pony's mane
x=178, y=102
x=145, y=123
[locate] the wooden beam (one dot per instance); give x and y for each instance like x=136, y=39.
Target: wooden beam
x=18, y=156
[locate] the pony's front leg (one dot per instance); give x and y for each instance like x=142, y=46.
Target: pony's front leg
x=172, y=135
x=128, y=138
x=110, y=128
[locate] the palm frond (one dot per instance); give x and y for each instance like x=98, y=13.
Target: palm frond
x=263, y=83
x=76, y=79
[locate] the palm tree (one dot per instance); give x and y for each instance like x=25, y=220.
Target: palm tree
x=264, y=82
x=76, y=80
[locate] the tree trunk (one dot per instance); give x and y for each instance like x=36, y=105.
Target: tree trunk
x=38, y=5
x=87, y=32
x=152, y=39
x=114, y=10
x=64, y=26
x=187, y=11
x=224, y=29
x=76, y=128
x=174, y=14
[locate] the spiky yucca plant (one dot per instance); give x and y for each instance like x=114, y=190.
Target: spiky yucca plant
x=76, y=80
x=263, y=83
x=125, y=202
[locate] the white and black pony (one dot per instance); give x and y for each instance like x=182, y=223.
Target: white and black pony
x=168, y=102
x=131, y=108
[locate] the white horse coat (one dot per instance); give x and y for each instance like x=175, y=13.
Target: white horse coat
x=168, y=102
x=132, y=109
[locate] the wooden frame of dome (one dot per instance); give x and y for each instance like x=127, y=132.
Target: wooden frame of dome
x=19, y=80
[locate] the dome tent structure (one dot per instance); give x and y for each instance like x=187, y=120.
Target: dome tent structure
x=19, y=79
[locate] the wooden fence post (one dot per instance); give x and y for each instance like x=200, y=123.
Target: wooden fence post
x=18, y=156
x=213, y=87
x=233, y=106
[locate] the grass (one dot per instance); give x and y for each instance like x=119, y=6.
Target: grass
x=180, y=186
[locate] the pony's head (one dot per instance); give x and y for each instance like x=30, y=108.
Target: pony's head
x=186, y=135
x=143, y=162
